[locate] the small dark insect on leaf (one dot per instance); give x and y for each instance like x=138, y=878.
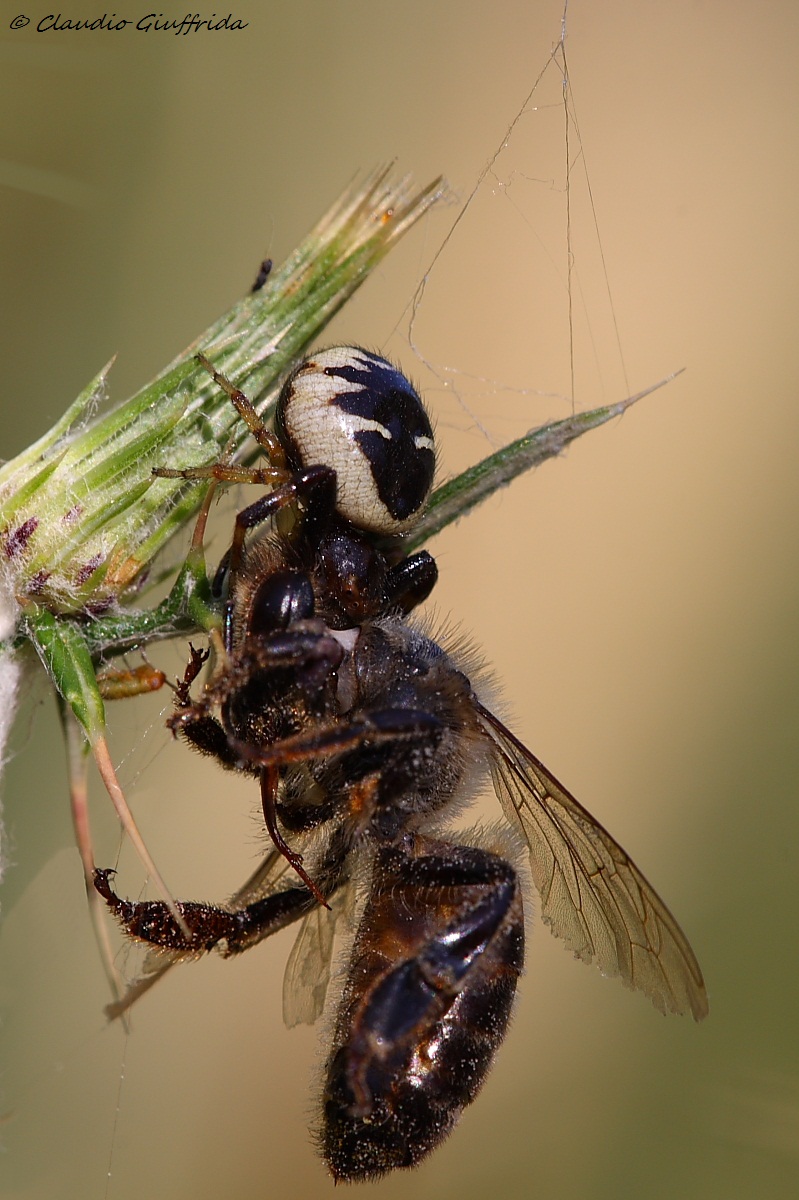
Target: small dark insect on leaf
x=264, y=272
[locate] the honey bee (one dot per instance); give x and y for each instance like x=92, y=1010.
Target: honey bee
x=366, y=736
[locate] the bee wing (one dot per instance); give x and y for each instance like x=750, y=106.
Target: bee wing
x=308, y=968
x=307, y=976
x=263, y=881
x=592, y=895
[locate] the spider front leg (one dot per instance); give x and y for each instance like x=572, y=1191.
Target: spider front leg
x=244, y=407
x=222, y=471
x=288, y=485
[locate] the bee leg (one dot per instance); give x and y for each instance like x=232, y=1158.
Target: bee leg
x=191, y=720
x=197, y=659
x=205, y=734
x=210, y=926
x=269, y=779
x=262, y=918
x=233, y=929
x=370, y=726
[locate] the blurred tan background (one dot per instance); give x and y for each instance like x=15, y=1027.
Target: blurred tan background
x=637, y=598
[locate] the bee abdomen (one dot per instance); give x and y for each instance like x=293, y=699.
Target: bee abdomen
x=426, y=1005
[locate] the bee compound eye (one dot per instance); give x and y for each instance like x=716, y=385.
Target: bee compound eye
x=353, y=411
x=282, y=598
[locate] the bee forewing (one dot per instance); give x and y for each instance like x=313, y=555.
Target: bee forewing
x=263, y=881
x=307, y=974
x=592, y=895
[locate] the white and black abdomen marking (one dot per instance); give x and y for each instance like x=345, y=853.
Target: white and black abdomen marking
x=353, y=411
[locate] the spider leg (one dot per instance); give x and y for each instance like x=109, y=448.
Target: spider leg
x=224, y=472
x=411, y=581
x=316, y=485
x=80, y=816
x=244, y=407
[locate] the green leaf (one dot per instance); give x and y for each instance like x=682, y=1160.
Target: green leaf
x=474, y=485
x=65, y=655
